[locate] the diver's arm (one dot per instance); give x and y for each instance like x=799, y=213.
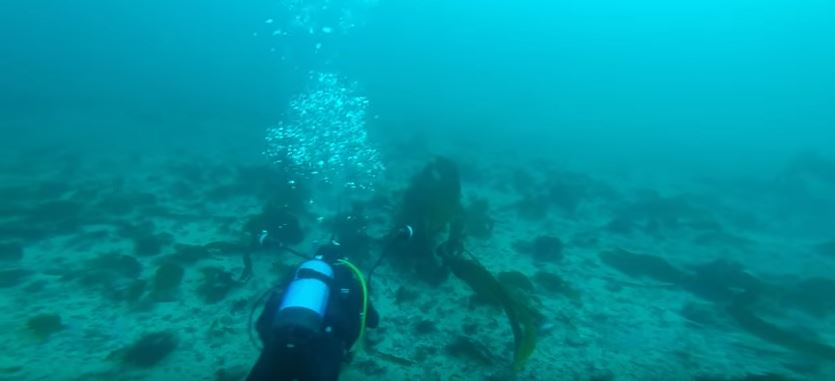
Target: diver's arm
x=264, y=323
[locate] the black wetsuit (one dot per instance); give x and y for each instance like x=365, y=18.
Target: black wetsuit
x=315, y=357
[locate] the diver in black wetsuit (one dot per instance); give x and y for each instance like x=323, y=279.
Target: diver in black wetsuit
x=308, y=327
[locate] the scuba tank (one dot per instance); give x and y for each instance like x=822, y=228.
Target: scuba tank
x=305, y=300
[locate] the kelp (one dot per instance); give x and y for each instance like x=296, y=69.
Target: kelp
x=433, y=197
x=753, y=377
x=643, y=265
x=777, y=335
x=278, y=219
x=728, y=283
x=468, y=349
x=478, y=221
x=524, y=318
x=432, y=200
x=430, y=204
x=350, y=229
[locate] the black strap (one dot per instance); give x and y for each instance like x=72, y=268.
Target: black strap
x=313, y=274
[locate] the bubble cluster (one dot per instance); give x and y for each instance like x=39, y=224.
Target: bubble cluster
x=324, y=139
x=316, y=17
x=299, y=30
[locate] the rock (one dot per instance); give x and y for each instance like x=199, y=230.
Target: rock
x=11, y=369
x=554, y=284
x=620, y=225
x=36, y=286
x=547, y=248
x=167, y=278
x=124, y=265
x=813, y=295
x=44, y=325
x=424, y=327
x=643, y=265
x=150, y=349
x=533, y=207
x=550, y=282
x=146, y=244
x=12, y=277
x=188, y=254
x=11, y=251
x=216, y=284
x=61, y=215
x=135, y=290
x=122, y=204
x=800, y=342
x=543, y=248
x=722, y=281
x=700, y=314
x=468, y=349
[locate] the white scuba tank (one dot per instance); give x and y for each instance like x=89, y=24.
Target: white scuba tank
x=306, y=299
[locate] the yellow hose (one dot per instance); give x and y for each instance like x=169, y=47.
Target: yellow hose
x=364, y=287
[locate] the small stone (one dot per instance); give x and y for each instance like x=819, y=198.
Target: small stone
x=44, y=325
x=150, y=349
x=547, y=248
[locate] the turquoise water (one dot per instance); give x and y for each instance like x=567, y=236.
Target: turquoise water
x=680, y=153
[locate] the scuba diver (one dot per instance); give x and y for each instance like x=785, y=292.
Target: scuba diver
x=309, y=326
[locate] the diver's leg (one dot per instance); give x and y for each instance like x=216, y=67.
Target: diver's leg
x=276, y=365
x=324, y=359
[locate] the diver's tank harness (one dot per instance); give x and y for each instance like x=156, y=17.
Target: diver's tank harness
x=304, y=304
x=306, y=299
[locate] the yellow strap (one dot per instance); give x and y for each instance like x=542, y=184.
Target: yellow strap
x=364, y=287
